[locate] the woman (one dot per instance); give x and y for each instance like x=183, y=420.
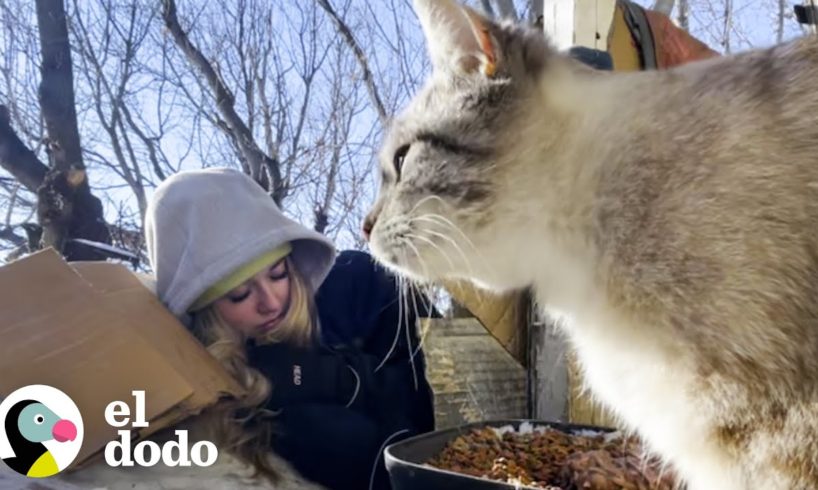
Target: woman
x=325, y=344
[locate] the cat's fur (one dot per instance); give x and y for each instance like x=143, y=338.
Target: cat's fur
x=672, y=216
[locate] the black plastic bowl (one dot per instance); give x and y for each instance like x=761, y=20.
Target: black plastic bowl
x=406, y=460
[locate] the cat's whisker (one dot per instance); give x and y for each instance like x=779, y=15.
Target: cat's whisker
x=443, y=219
x=457, y=247
x=403, y=306
x=449, y=222
x=407, y=326
x=435, y=246
x=426, y=330
x=427, y=294
x=438, y=219
x=400, y=236
x=398, y=286
x=406, y=241
x=417, y=317
x=422, y=201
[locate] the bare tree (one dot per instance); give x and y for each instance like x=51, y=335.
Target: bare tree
x=294, y=133
x=16, y=157
x=780, y=17
x=109, y=54
x=346, y=33
x=397, y=57
x=21, y=129
x=728, y=25
x=273, y=74
x=343, y=155
x=66, y=208
x=273, y=70
x=264, y=168
x=108, y=42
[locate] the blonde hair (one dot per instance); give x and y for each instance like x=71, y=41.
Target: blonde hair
x=243, y=426
x=300, y=323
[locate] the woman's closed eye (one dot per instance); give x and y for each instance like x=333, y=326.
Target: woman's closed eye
x=275, y=273
x=279, y=271
x=239, y=294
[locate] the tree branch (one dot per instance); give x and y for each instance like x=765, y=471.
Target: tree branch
x=728, y=25
x=57, y=87
x=65, y=206
x=780, y=16
x=16, y=158
x=258, y=162
x=369, y=80
x=7, y=233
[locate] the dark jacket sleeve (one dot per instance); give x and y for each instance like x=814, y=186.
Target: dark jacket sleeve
x=361, y=304
x=363, y=319
x=364, y=312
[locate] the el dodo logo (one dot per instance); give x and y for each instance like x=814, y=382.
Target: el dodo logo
x=148, y=453
x=42, y=434
x=41, y=431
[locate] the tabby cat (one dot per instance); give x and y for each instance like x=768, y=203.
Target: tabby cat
x=670, y=216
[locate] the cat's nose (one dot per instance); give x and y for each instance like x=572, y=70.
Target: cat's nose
x=369, y=223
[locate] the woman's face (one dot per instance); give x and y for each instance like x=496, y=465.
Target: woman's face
x=258, y=305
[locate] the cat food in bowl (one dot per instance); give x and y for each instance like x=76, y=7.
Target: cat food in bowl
x=524, y=454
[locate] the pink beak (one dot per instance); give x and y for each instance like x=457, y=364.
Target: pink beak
x=64, y=430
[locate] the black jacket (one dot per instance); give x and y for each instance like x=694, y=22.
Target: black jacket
x=360, y=388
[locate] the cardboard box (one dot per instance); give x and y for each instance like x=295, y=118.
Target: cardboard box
x=94, y=331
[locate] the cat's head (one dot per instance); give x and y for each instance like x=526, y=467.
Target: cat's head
x=446, y=157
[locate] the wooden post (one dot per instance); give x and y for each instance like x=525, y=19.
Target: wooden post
x=548, y=378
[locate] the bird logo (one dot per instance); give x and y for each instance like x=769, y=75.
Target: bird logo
x=42, y=429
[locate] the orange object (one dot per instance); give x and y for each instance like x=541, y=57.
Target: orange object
x=674, y=45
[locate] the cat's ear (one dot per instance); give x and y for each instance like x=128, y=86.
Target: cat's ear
x=458, y=38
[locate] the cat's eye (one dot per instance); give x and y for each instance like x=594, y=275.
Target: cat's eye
x=400, y=155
